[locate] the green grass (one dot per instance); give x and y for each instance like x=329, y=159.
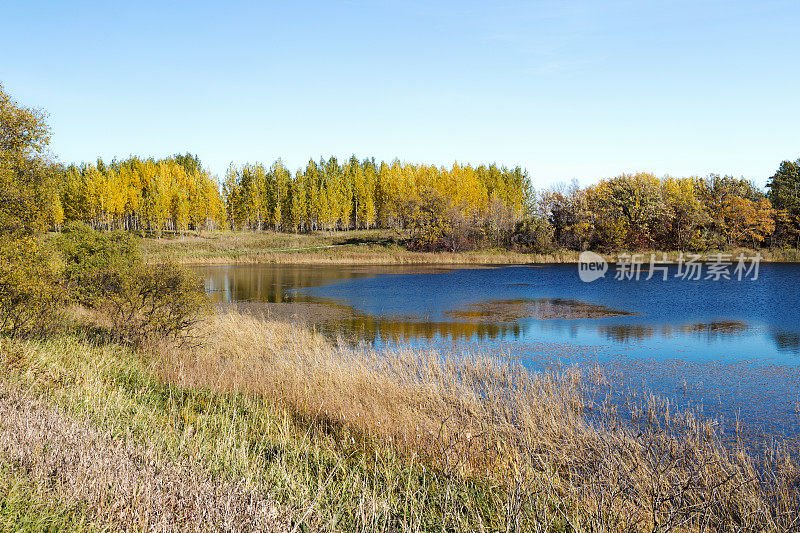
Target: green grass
x=23, y=508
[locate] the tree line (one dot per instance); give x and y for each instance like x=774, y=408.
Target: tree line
x=641, y=211
x=174, y=194
x=363, y=194
x=432, y=207
x=177, y=195
x=465, y=207
x=435, y=208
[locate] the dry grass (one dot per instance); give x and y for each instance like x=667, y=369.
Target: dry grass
x=375, y=247
x=123, y=482
x=412, y=398
x=270, y=426
x=475, y=417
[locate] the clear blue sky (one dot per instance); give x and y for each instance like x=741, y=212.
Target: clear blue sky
x=567, y=90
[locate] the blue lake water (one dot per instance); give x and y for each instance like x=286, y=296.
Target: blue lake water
x=728, y=348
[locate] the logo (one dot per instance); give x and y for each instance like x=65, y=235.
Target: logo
x=591, y=266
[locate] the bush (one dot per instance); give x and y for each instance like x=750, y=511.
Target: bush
x=140, y=302
x=147, y=303
x=31, y=288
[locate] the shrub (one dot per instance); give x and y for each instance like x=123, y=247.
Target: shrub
x=31, y=288
x=140, y=302
x=150, y=302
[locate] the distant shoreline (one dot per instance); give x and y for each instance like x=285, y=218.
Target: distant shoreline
x=373, y=248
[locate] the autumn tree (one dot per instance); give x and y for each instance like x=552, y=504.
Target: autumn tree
x=683, y=214
x=564, y=207
x=174, y=194
x=29, y=201
x=748, y=222
x=30, y=291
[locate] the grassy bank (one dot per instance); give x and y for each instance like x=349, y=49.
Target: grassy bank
x=379, y=247
x=344, y=247
x=267, y=426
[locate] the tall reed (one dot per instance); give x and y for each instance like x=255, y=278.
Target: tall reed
x=473, y=416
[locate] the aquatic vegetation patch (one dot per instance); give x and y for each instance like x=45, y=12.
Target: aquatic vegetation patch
x=536, y=308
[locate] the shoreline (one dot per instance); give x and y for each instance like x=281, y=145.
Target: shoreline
x=366, y=248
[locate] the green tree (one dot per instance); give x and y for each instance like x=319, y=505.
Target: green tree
x=784, y=193
x=784, y=186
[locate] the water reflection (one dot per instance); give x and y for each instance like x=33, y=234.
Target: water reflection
x=730, y=327
x=787, y=342
x=420, y=303
x=381, y=330
x=274, y=283
x=626, y=332
x=708, y=330
x=268, y=283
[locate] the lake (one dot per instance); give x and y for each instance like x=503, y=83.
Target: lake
x=729, y=349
